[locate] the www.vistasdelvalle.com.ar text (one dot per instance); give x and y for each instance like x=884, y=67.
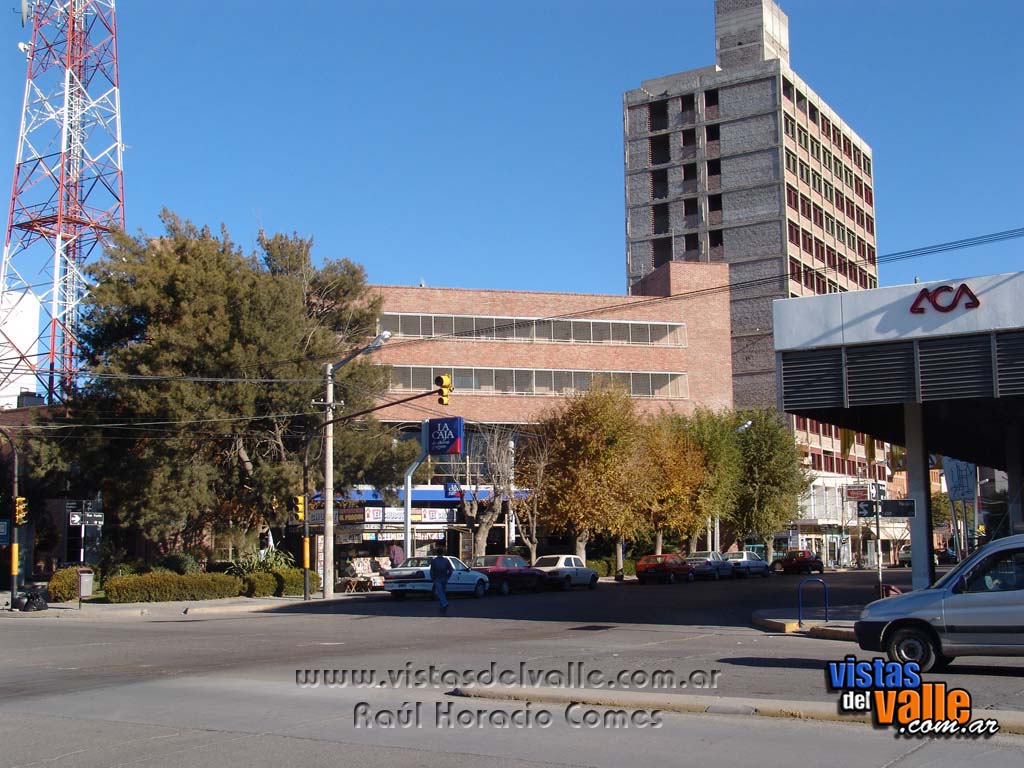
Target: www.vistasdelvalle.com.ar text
x=573, y=674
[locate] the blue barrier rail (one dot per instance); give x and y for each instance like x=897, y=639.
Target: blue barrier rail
x=800, y=599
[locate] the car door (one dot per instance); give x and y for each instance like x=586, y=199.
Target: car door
x=985, y=609
x=577, y=570
x=462, y=578
x=513, y=570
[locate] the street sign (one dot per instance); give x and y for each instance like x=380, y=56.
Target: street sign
x=5, y=532
x=445, y=436
x=898, y=508
x=857, y=493
x=75, y=518
x=865, y=509
x=452, y=490
x=93, y=518
x=82, y=512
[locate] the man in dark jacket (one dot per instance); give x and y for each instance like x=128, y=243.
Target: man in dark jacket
x=440, y=571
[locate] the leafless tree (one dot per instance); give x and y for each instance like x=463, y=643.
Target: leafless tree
x=531, y=466
x=495, y=460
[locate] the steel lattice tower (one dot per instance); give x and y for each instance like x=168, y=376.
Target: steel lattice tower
x=68, y=189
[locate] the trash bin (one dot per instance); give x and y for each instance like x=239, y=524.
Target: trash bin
x=84, y=582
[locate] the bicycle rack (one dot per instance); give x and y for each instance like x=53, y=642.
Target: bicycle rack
x=800, y=599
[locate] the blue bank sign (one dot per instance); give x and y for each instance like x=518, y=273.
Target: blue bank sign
x=444, y=436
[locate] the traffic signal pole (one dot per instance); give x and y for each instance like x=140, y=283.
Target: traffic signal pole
x=14, y=516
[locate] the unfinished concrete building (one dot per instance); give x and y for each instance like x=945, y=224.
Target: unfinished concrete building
x=743, y=163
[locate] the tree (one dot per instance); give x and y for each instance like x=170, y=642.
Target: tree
x=590, y=487
x=496, y=461
x=670, y=470
x=942, y=508
x=532, y=460
x=773, y=476
x=203, y=362
x=715, y=435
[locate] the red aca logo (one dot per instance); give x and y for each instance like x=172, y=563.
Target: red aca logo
x=934, y=295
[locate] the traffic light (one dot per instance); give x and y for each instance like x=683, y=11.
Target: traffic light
x=20, y=510
x=300, y=508
x=444, y=388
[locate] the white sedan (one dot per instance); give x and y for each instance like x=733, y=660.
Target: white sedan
x=566, y=571
x=747, y=564
x=413, y=576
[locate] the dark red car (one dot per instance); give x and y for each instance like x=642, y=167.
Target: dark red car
x=508, y=572
x=664, y=568
x=798, y=561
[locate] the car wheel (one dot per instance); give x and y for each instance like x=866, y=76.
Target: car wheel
x=764, y=572
x=566, y=584
x=504, y=588
x=670, y=578
x=690, y=576
x=479, y=590
x=593, y=583
x=913, y=644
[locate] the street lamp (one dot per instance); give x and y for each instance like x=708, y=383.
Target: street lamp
x=373, y=346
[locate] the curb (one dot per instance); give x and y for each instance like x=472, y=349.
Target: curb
x=812, y=628
x=775, y=625
x=1010, y=721
x=832, y=633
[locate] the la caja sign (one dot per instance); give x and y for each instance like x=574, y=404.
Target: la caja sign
x=945, y=298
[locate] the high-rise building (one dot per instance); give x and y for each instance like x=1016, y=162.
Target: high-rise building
x=743, y=163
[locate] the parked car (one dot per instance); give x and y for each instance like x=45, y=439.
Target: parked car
x=799, y=561
x=975, y=609
x=508, y=572
x=566, y=571
x=903, y=559
x=748, y=564
x=710, y=564
x=413, y=576
x=664, y=568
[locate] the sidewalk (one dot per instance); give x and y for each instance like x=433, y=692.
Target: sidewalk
x=179, y=609
x=838, y=627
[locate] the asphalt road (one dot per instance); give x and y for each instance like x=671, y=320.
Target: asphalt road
x=223, y=691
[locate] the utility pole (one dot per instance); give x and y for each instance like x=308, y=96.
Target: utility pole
x=14, y=516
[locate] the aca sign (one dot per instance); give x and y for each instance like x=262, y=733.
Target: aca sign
x=445, y=436
x=938, y=298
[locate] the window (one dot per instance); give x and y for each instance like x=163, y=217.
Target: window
x=830, y=257
x=812, y=114
x=661, y=252
x=689, y=138
x=819, y=216
x=660, y=150
x=837, y=136
x=869, y=224
x=841, y=234
x=839, y=201
x=816, y=181
x=659, y=184
x=872, y=259
x=711, y=98
x=657, y=116
x=794, y=233
x=851, y=238
x=827, y=191
x=830, y=225
x=711, y=132
x=687, y=103
x=848, y=176
x=714, y=168
x=787, y=89
x=826, y=126
x=856, y=157
x=816, y=149
x=806, y=241
x=715, y=238
x=858, y=186
x=860, y=216
x=791, y=162
x=826, y=159
x=714, y=203
x=802, y=137
x=794, y=271
x=847, y=146
x=819, y=250
x=801, y=102
x=869, y=197
x=867, y=165
x=851, y=211
x=805, y=172
x=792, y=198
x=789, y=126
x=659, y=219
x=805, y=206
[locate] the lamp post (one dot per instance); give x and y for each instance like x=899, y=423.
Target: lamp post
x=328, y=585
x=14, y=516
x=717, y=543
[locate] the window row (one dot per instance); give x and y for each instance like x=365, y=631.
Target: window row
x=845, y=235
x=831, y=462
x=660, y=148
x=826, y=254
x=829, y=131
x=525, y=329
x=524, y=381
x=817, y=281
x=658, y=111
x=815, y=427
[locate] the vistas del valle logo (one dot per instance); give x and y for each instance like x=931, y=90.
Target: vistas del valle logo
x=896, y=697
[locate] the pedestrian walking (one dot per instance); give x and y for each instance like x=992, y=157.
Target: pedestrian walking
x=396, y=555
x=440, y=571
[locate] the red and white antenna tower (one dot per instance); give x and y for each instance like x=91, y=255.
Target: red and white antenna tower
x=68, y=191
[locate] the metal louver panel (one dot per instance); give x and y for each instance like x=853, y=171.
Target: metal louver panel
x=956, y=367
x=1010, y=359
x=882, y=373
x=812, y=379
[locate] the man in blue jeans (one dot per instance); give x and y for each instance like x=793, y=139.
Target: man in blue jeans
x=440, y=571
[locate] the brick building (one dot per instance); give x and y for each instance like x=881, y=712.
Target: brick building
x=513, y=354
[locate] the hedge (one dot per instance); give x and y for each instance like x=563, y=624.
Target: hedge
x=260, y=584
x=279, y=583
x=158, y=587
x=63, y=586
x=605, y=566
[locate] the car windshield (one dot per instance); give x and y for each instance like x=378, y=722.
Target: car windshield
x=701, y=555
x=485, y=561
x=955, y=573
x=547, y=561
x=735, y=556
x=647, y=559
x=795, y=554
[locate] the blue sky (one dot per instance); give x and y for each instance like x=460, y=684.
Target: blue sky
x=479, y=144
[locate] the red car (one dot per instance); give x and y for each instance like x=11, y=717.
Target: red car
x=508, y=572
x=798, y=561
x=664, y=568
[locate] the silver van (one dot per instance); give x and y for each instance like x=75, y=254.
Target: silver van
x=976, y=609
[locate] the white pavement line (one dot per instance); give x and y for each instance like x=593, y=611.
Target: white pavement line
x=1010, y=721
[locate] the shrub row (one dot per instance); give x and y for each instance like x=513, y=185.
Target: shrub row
x=63, y=585
x=605, y=566
x=281, y=582
x=159, y=587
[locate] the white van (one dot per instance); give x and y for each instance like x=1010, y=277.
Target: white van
x=977, y=609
